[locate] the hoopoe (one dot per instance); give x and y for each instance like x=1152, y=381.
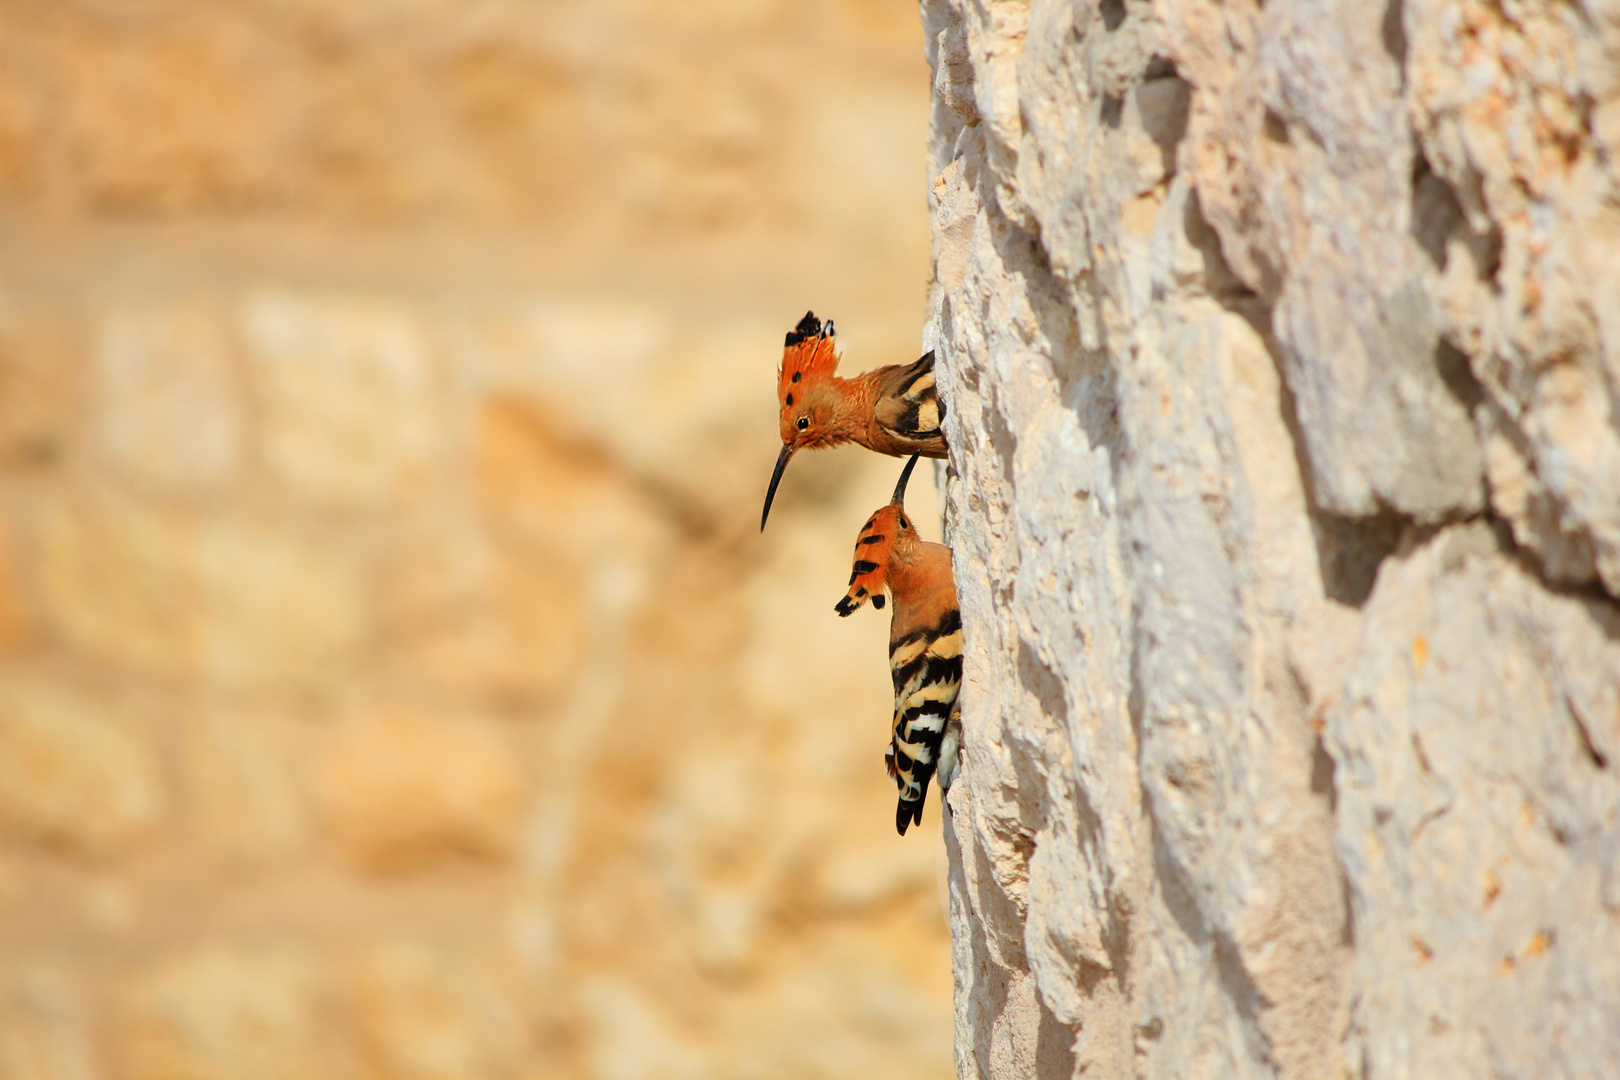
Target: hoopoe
x=894, y=410
x=925, y=648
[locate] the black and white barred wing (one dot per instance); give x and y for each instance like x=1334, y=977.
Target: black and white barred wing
x=909, y=406
x=927, y=668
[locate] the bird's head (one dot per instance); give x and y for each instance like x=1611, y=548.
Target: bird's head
x=806, y=395
x=885, y=533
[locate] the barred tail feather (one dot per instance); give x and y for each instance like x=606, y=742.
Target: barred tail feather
x=905, y=813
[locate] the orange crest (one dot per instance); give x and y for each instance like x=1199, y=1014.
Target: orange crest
x=808, y=359
x=872, y=550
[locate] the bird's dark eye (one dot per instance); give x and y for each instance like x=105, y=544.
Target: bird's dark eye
x=904, y=524
x=804, y=422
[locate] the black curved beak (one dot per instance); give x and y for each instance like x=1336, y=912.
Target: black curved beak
x=776, y=478
x=899, y=489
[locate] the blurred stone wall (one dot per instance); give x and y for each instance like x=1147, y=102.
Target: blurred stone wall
x=393, y=683
x=1282, y=345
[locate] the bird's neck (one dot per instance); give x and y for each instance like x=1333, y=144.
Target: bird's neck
x=917, y=570
x=854, y=399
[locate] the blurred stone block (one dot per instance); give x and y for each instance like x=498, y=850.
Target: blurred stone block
x=16, y=622
x=181, y=596
x=660, y=395
x=404, y=791
x=486, y=619
x=72, y=772
x=168, y=120
x=385, y=406
x=524, y=118
x=349, y=397
x=19, y=131
x=39, y=382
x=435, y=1014
x=242, y=797
x=223, y=1014
x=44, y=1032
x=632, y=1039
x=167, y=410
x=273, y=609
x=864, y=876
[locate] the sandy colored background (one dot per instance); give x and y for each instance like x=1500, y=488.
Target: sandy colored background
x=393, y=683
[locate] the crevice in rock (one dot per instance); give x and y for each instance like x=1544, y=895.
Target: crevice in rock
x=1231, y=975
x=1583, y=729
x=1349, y=550
x=1564, y=562
x=1323, y=768
x=1222, y=284
x=1000, y=900
x=990, y=1001
x=1393, y=33
x=1164, y=104
x=1111, y=110
x=1241, y=990
x=1160, y=67
x=1436, y=213
x=1085, y=378
x=1046, y=688
x=1532, y=565
x=1455, y=372
x=1046, y=693
x=1113, y=14
x=1347, y=933
x=1276, y=129
x=1004, y=441
x=1054, y=1046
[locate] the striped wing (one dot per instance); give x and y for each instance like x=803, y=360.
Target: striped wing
x=909, y=407
x=927, y=669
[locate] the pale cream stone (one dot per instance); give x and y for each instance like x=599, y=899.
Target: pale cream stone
x=168, y=411
x=272, y=608
x=45, y=1031
x=403, y=790
x=1278, y=345
x=350, y=396
x=74, y=772
x=239, y=777
x=209, y=597
x=433, y=1013
x=114, y=583
x=223, y=1013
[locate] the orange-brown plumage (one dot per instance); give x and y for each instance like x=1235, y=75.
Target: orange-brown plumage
x=893, y=410
x=925, y=646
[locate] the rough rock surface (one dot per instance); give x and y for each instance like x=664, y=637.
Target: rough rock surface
x=1282, y=351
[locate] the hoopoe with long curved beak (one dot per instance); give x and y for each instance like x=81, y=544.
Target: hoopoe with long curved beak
x=925, y=648
x=894, y=410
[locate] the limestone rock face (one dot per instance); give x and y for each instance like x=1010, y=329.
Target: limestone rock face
x=1281, y=346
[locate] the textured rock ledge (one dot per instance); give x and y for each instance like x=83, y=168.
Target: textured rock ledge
x=1282, y=346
